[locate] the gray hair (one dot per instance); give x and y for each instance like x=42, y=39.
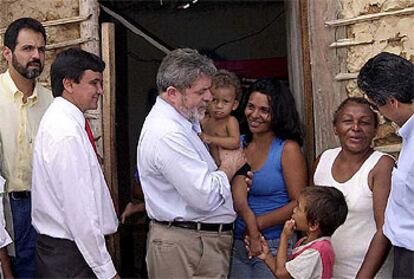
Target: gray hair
x=182, y=67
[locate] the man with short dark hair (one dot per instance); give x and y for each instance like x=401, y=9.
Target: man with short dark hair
x=22, y=104
x=388, y=81
x=72, y=208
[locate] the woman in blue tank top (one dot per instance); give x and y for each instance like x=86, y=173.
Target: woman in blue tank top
x=272, y=148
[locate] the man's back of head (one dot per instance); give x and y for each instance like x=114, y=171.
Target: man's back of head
x=387, y=75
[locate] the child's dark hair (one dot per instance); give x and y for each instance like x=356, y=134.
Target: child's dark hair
x=326, y=206
x=225, y=79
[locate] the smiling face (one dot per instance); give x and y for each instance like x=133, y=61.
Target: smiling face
x=355, y=127
x=85, y=94
x=223, y=103
x=193, y=102
x=258, y=113
x=28, y=57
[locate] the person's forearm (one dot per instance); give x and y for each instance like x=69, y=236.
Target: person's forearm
x=270, y=261
x=281, y=258
x=376, y=255
x=5, y=264
x=239, y=191
x=276, y=217
x=251, y=225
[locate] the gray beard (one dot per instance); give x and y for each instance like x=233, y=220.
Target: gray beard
x=24, y=71
x=193, y=116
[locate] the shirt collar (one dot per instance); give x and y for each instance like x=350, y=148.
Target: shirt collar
x=406, y=130
x=71, y=109
x=17, y=94
x=173, y=114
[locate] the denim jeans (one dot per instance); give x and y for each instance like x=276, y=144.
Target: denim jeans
x=23, y=265
x=243, y=267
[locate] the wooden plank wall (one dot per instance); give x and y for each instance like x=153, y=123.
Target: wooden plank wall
x=297, y=30
x=325, y=64
x=108, y=127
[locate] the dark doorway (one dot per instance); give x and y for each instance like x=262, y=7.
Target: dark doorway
x=227, y=31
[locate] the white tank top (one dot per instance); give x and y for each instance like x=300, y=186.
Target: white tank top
x=351, y=240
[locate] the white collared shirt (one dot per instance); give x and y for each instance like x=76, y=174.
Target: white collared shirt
x=4, y=236
x=179, y=178
x=399, y=214
x=70, y=198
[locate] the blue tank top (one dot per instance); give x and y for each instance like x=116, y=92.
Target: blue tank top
x=268, y=191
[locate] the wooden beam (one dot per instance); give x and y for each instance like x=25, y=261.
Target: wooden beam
x=346, y=76
x=109, y=130
x=67, y=43
x=349, y=42
x=325, y=63
x=369, y=17
x=90, y=29
x=307, y=85
x=62, y=21
x=135, y=30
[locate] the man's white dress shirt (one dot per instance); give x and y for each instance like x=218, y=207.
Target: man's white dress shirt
x=70, y=198
x=4, y=236
x=179, y=178
x=399, y=214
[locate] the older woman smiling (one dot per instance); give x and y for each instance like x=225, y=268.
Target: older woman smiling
x=364, y=177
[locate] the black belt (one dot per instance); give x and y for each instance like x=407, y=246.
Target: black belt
x=21, y=195
x=198, y=226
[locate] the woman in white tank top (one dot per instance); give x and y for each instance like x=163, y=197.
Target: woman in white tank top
x=364, y=177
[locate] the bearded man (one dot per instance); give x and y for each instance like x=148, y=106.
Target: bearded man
x=22, y=104
x=187, y=197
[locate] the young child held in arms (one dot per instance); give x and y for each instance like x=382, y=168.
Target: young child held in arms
x=320, y=211
x=220, y=129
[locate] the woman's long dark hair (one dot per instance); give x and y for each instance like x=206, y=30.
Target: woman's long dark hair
x=285, y=121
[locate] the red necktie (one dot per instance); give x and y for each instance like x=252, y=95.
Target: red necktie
x=90, y=135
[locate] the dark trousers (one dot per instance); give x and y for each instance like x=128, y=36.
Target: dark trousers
x=403, y=263
x=23, y=264
x=60, y=258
